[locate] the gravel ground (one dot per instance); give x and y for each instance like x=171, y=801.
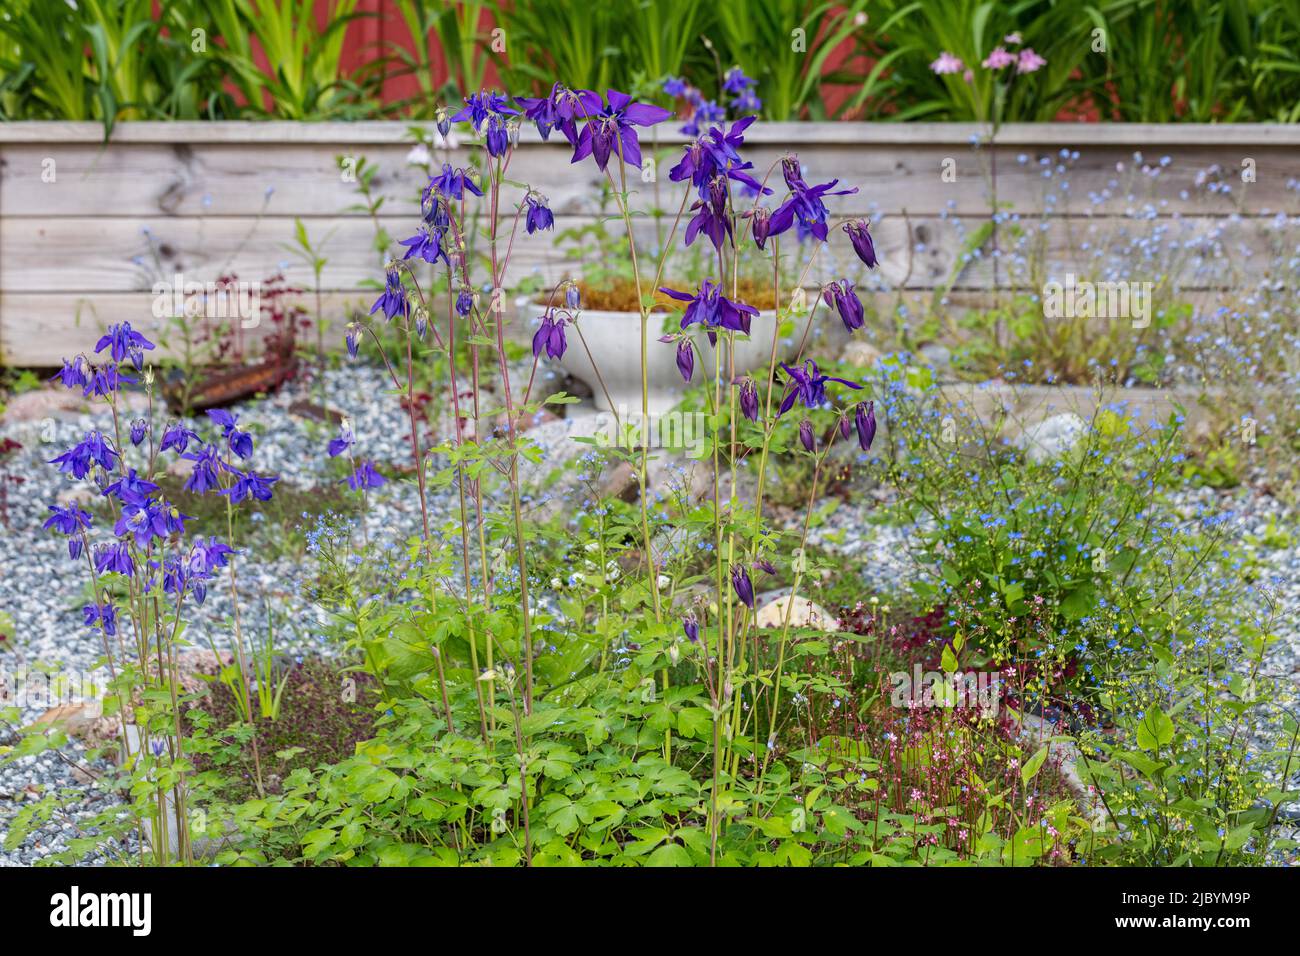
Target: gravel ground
x=44, y=600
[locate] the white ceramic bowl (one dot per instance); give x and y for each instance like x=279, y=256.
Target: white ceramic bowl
x=614, y=339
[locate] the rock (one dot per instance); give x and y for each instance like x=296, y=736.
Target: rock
x=937, y=357
x=803, y=614
x=860, y=354
x=43, y=403
x=1050, y=438
x=180, y=468
x=79, y=495
x=83, y=720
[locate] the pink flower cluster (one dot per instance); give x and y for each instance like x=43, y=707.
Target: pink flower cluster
x=1024, y=60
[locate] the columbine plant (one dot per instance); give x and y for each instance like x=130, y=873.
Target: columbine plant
x=147, y=572
x=744, y=411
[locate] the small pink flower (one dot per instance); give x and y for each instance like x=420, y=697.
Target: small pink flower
x=947, y=63
x=1029, y=61
x=998, y=59
x=1013, y=39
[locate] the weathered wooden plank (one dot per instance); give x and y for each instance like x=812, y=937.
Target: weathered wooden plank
x=223, y=179
x=380, y=131
x=92, y=256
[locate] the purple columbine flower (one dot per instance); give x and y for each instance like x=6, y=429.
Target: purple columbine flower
x=675, y=87
x=124, y=343
x=736, y=82
x=766, y=566
x=809, y=385
x=208, y=466
x=482, y=107
x=806, y=435
x=346, y=440
x=685, y=359
x=206, y=556
x=93, y=449
x=691, y=628
x=550, y=337
x=572, y=297
x=805, y=204
x=862, y=244
x=427, y=244
x=393, y=302
x=143, y=522
x=539, y=214
x=847, y=303
x=241, y=442
x=749, y=399
x=717, y=153
x=498, y=136
x=365, y=476
x=138, y=429
x=73, y=374
x=249, y=485
x=865, y=419
x=452, y=183
x=464, y=302
x=711, y=217
x=114, y=557
x=131, y=489
x=611, y=131
x=102, y=616
x=714, y=311
x=177, y=436
x=70, y=521
x=353, y=338
x=558, y=110
x=106, y=380
x=744, y=588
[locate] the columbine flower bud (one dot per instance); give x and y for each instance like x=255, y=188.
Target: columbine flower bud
x=749, y=399
x=806, y=435
x=685, y=359
x=865, y=420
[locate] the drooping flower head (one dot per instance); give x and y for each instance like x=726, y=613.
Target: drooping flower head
x=427, y=244
x=93, y=449
x=864, y=418
x=557, y=110
x=806, y=437
x=862, y=244
x=549, y=337
x=743, y=587
x=240, y=442
x=73, y=374
x=249, y=485
x=102, y=616
x=749, y=399
x=686, y=359
x=130, y=489
x=846, y=302
x=691, y=628
x=177, y=436
x=711, y=309
x=365, y=476
x=808, y=385
x=806, y=205
x=539, y=214
x=394, y=301
x=343, y=442
x=451, y=183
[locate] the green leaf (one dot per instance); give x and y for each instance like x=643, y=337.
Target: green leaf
x=1155, y=730
x=1033, y=764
